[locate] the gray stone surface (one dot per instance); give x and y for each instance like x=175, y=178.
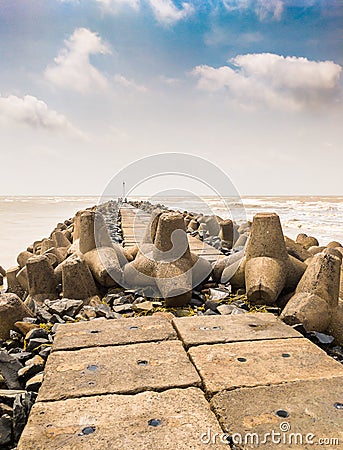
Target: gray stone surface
x=256, y=363
x=120, y=369
x=218, y=329
x=310, y=406
x=104, y=332
x=121, y=422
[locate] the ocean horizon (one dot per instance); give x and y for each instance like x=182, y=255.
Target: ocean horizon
x=25, y=219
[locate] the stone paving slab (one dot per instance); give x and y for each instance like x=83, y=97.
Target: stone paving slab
x=232, y=328
x=121, y=422
x=121, y=369
x=103, y=332
x=256, y=363
x=310, y=406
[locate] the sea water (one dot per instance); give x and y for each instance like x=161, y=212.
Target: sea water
x=24, y=220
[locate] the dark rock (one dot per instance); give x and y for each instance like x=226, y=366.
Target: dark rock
x=43, y=315
x=5, y=409
x=37, y=333
x=102, y=310
x=30, y=370
x=209, y=312
x=240, y=304
x=5, y=430
x=65, y=306
x=9, y=366
x=300, y=328
x=56, y=319
x=35, y=382
x=22, y=356
x=212, y=304
x=240, y=291
x=7, y=396
x=196, y=302
x=45, y=352
x=32, y=320
x=68, y=319
x=21, y=409
x=36, y=344
x=320, y=338
x=123, y=309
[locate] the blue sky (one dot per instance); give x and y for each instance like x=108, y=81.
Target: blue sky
x=87, y=87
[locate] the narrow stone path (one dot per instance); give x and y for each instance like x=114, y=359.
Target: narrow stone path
x=135, y=221
x=153, y=384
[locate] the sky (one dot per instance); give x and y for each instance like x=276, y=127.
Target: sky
x=89, y=87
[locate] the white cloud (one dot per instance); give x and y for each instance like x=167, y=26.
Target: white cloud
x=72, y=68
x=166, y=12
x=117, y=5
x=170, y=81
x=35, y=113
x=276, y=81
x=264, y=9
x=130, y=84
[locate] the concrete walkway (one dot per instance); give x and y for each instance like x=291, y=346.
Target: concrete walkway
x=147, y=383
x=135, y=221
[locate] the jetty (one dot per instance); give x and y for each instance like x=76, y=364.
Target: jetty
x=207, y=381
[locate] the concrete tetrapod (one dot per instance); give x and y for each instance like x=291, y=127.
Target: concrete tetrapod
x=104, y=258
x=226, y=232
x=166, y=263
x=316, y=297
x=12, y=310
x=77, y=280
x=268, y=268
x=41, y=279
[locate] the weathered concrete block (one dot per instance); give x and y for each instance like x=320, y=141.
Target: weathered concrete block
x=173, y=420
x=77, y=280
x=241, y=327
x=112, y=332
x=316, y=295
x=164, y=261
x=229, y=366
x=104, y=265
x=22, y=278
x=13, y=284
x=226, y=232
x=268, y=268
x=60, y=240
x=336, y=325
x=41, y=277
x=295, y=410
x=297, y=250
x=23, y=257
x=127, y=369
x=12, y=309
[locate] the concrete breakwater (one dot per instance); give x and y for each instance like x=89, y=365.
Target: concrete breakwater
x=178, y=264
